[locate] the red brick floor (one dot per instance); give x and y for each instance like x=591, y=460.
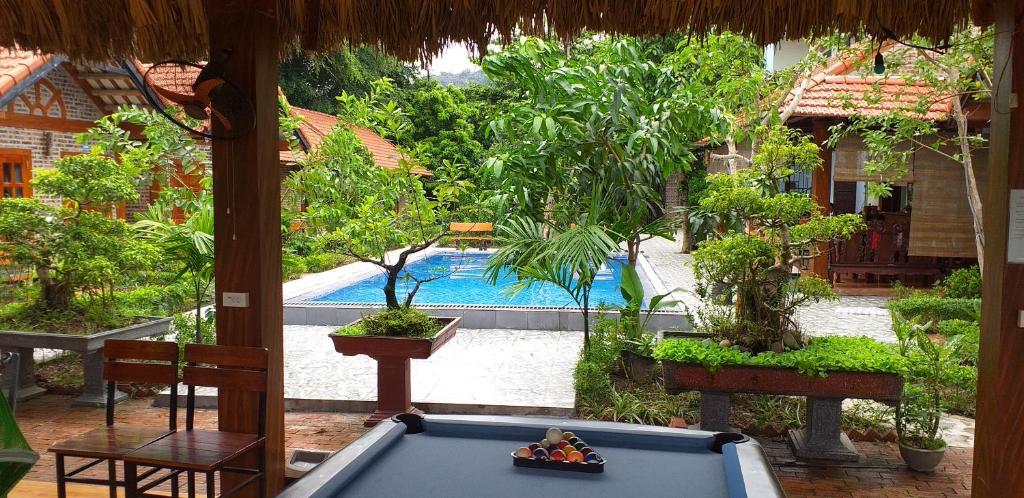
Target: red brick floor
x=880, y=473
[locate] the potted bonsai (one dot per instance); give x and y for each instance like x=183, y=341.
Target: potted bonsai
x=920, y=411
x=381, y=217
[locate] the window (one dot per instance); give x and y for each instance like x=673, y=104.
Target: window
x=16, y=173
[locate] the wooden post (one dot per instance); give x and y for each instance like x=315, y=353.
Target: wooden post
x=821, y=190
x=247, y=202
x=999, y=440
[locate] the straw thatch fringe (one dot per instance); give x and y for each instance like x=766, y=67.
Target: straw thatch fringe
x=419, y=29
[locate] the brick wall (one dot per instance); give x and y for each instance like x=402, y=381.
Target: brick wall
x=46, y=147
x=671, y=194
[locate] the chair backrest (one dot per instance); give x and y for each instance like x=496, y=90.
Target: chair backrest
x=237, y=368
x=471, y=227
x=150, y=362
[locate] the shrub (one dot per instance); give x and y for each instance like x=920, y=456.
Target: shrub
x=964, y=283
x=401, y=322
x=184, y=326
x=592, y=376
x=934, y=309
x=316, y=263
x=955, y=327
x=823, y=354
x=292, y=266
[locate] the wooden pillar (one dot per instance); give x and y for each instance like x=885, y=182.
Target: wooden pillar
x=999, y=440
x=247, y=202
x=821, y=189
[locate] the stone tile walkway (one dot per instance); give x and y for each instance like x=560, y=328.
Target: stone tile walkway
x=880, y=473
x=530, y=370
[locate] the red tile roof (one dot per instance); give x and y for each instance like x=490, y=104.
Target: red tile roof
x=316, y=125
x=17, y=65
x=840, y=91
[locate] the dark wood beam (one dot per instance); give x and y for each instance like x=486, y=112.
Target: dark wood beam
x=247, y=202
x=999, y=438
x=821, y=189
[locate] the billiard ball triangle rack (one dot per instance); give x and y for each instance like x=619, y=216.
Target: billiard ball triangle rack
x=563, y=451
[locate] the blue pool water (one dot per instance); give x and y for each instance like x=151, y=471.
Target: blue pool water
x=466, y=285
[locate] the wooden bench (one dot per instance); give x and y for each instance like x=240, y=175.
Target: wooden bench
x=480, y=233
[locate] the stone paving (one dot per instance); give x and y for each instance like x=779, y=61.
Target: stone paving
x=880, y=473
x=526, y=371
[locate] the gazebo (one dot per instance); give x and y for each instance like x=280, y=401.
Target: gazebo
x=246, y=171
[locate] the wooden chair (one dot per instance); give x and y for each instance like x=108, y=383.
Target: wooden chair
x=111, y=443
x=228, y=368
x=480, y=233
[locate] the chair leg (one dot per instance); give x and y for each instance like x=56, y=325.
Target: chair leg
x=210, y=488
x=174, y=484
x=112, y=477
x=131, y=484
x=62, y=490
x=191, y=484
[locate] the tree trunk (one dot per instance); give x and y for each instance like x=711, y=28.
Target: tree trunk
x=390, y=295
x=686, y=231
x=632, y=250
x=586, y=321
x=56, y=294
x=970, y=179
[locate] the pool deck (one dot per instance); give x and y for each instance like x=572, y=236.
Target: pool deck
x=481, y=371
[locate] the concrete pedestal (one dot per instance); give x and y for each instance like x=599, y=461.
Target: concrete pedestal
x=27, y=388
x=94, y=390
x=823, y=439
x=714, y=411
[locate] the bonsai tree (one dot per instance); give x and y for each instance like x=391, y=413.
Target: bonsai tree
x=760, y=265
x=73, y=246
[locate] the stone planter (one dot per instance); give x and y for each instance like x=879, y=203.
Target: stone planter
x=89, y=346
x=822, y=439
x=637, y=367
x=922, y=460
x=394, y=386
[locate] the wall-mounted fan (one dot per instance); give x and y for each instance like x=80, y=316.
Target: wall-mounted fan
x=213, y=107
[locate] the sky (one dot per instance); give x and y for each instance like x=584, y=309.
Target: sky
x=453, y=59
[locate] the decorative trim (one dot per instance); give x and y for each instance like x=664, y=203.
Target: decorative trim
x=18, y=120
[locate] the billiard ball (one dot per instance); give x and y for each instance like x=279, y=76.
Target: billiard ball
x=558, y=455
x=563, y=444
x=586, y=450
x=591, y=458
x=554, y=435
x=573, y=440
x=524, y=452
x=533, y=446
x=574, y=457
x=580, y=445
x=544, y=443
x=568, y=435
x=540, y=453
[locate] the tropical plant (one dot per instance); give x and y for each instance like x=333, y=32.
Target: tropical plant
x=189, y=243
x=75, y=247
x=633, y=319
x=783, y=230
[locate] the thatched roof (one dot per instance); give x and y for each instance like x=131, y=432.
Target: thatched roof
x=415, y=29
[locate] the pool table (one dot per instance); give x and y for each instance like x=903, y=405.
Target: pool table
x=471, y=456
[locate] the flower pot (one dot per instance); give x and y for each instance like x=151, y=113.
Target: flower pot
x=394, y=386
x=922, y=460
x=637, y=367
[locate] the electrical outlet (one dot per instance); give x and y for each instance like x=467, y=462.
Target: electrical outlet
x=235, y=300
x=1020, y=319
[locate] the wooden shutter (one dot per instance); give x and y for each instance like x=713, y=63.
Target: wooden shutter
x=15, y=173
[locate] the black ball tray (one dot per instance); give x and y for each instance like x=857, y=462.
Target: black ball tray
x=536, y=463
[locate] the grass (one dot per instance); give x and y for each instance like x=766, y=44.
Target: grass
x=402, y=322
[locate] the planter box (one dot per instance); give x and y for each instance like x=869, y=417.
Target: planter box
x=823, y=438
x=394, y=385
x=90, y=347
x=680, y=377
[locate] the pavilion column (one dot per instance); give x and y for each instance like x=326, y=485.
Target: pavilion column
x=247, y=202
x=821, y=190
x=999, y=438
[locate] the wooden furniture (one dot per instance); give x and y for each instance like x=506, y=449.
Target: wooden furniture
x=882, y=249
x=227, y=368
x=123, y=363
x=482, y=234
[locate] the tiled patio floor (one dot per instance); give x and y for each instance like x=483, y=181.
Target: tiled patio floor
x=879, y=474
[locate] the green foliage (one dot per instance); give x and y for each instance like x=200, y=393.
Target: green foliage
x=919, y=413
x=929, y=308
x=72, y=248
x=84, y=315
x=320, y=262
x=820, y=356
x=188, y=331
x=592, y=375
x=963, y=283
x=314, y=80
x=401, y=322
x=632, y=321
x=784, y=229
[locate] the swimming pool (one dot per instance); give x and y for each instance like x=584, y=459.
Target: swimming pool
x=465, y=284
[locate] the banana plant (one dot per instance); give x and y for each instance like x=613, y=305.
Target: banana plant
x=634, y=325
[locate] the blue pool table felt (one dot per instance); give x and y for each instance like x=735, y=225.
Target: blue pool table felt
x=455, y=459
